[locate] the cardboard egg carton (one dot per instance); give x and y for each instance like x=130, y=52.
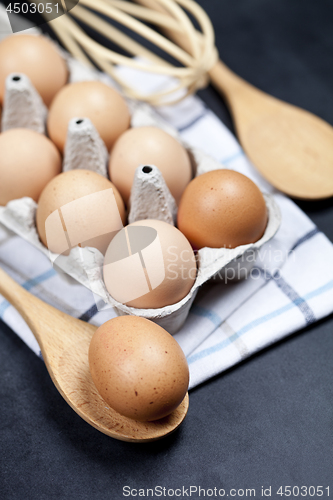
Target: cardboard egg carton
x=150, y=198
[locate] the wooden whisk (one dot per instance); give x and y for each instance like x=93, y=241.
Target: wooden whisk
x=194, y=63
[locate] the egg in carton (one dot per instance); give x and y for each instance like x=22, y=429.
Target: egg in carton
x=150, y=198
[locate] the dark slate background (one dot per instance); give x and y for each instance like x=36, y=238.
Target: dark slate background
x=266, y=422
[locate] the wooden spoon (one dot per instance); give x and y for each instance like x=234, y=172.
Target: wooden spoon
x=292, y=148
x=64, y=342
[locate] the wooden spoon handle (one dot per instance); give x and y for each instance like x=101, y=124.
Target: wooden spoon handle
x=227, y=82
x=39, y=316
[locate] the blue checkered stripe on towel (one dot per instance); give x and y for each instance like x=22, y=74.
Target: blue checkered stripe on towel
x=290, y=287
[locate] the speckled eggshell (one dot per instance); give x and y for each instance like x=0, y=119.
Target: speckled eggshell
x=170, y=262
x=149, y=145
x=103, y=105
x=93, y=215
x=28, y=161
x=36, y=57
x=138, y=368
x=222, y=209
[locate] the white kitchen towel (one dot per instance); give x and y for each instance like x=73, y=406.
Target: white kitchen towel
x=290, y=286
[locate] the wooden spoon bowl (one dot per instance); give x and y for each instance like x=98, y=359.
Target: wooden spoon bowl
x=64, y=343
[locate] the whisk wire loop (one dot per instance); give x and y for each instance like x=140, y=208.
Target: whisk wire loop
x=197, y=53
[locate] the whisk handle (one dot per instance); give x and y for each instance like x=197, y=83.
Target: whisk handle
x=226, y=81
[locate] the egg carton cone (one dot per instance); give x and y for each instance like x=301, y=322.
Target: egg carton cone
x=150, y=198
x=84, y=148
x=20, y=95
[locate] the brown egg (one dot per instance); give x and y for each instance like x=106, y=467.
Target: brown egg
x=28, y=161
x=142, y=145
x=36, y=57
x=149, y=264
x=138, y=368
x=222, y=208
x=104, y=106
x=79, y=207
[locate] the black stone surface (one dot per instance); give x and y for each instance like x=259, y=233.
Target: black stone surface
x=268, y=422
